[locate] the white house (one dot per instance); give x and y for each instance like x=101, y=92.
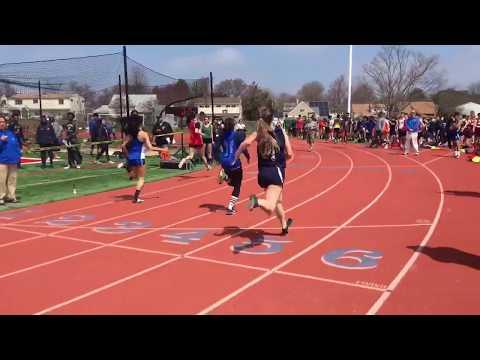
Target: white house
x=146, y=105
x=52, y=104
x=465, y=109
x=302, y=109
x=222, y=106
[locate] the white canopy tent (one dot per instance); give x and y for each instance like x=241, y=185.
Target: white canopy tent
x=465, y=109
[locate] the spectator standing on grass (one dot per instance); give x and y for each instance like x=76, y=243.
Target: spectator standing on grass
x=207, y=137
x=15, y=127
x=46, y=139
x=73, y=152
x=57, y=128
x=111, y=129
x=9, y=158
x=162, y=127
x=218, y=127
x=92, y=129
x=413, y=125
x=103, y=135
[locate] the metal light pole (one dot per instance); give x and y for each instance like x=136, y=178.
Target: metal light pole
x=350, y=82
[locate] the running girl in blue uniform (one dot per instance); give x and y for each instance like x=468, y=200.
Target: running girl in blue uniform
x=135, y=144
x=231, y=171
x=273, y=148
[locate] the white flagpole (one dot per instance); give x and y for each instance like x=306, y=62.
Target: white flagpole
x=350, y=83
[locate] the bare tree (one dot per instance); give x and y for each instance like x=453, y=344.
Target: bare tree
x=172, y=92
x=474, y=88
x=252, y=98
x=363, y=93
x=7, y=90
x=448, y=99
x=86, y=92
x=201, y=88
x=137, y=82
x=337, y=94
x=104, y=97
x=230, y=87
x=396, y=71
x=417, y=95
x=311, y=91
x=281, y=100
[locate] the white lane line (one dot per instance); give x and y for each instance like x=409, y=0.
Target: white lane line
x=393, y=285
x=188, y=254
x=304, y=251
x=310, y=277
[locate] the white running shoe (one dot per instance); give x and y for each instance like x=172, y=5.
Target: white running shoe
x=180, y=164
x=111, y=162
x=121, y=165
x=66, y=167
x=78, y=167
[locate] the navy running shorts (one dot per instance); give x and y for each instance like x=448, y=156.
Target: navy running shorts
x=271, y=175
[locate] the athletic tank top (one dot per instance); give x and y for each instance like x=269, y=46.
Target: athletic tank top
x=229, y=146
x=278, y=157
x=207, y=131
x=136, y=150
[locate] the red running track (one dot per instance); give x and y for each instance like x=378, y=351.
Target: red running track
x=374, y=233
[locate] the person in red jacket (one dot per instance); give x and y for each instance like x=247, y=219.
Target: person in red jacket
x=196, y=141
x=299, y=126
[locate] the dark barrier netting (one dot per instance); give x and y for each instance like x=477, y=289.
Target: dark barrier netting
x=96, y=80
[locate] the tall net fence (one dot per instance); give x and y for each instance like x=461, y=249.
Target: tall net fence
x=85, y=85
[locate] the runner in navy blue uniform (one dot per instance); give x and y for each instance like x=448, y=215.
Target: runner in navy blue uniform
x=231, y=171
x=135, y=144
x=273, y=148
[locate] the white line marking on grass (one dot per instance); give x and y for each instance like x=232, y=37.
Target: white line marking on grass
x=48, y=182
x=112, y=202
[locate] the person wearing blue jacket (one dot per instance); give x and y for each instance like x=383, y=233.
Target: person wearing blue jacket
x=231, y=172
x=17, y=129
x=10, y=154
x=413, y=126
